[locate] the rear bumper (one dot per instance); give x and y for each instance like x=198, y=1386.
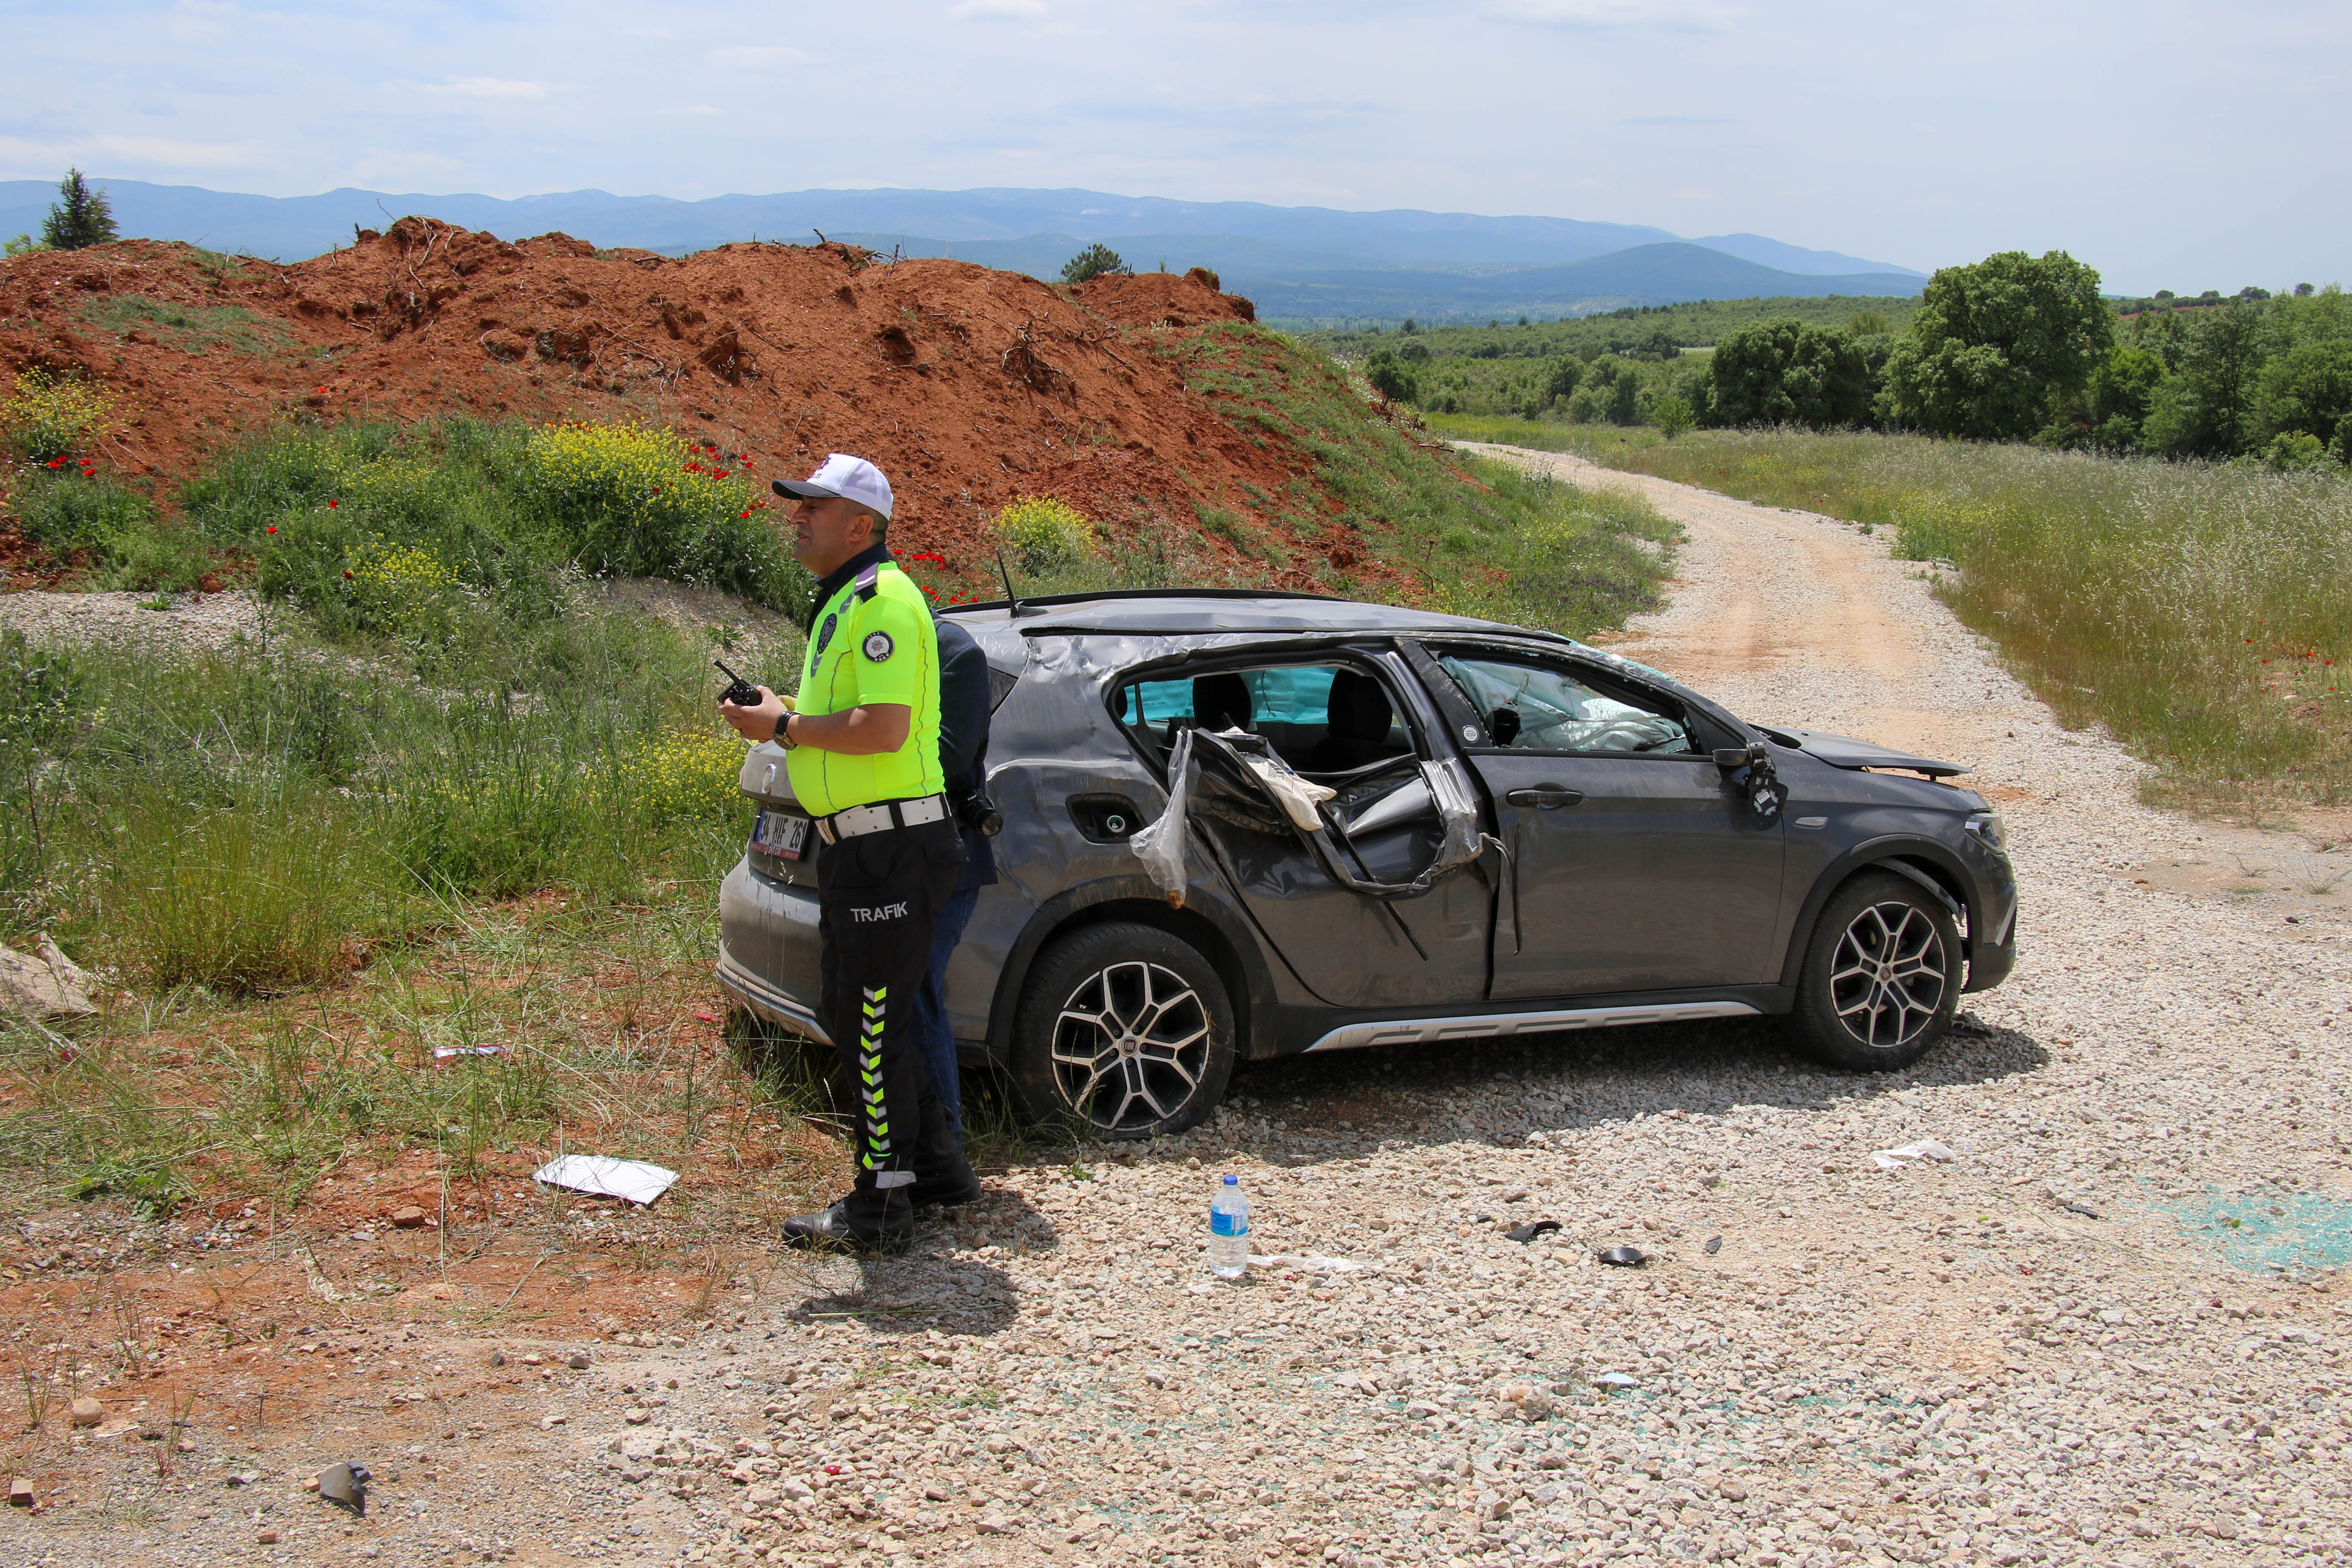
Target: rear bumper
x=768, y=949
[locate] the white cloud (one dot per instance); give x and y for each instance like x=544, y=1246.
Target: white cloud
x=154, y=151
x=489, y=87
x=756, y=57
x=997, y=10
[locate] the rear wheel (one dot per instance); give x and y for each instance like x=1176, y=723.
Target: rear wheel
x=1126, y=1030
x=1882, y=978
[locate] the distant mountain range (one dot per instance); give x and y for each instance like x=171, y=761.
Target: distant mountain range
x=1299, y=264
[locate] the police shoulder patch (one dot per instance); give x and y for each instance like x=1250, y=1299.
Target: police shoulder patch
x=879, y=647
x=824, y=633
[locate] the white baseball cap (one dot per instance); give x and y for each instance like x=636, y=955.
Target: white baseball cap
x=851, y=478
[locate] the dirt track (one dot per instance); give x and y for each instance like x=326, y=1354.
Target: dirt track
x=2109, y=1331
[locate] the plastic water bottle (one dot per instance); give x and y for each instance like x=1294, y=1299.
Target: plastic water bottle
x=1229, y=1230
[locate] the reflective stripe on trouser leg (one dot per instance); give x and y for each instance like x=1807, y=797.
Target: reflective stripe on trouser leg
x=877, y=1118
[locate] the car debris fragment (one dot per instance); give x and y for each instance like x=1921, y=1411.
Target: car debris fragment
x=345, y=1486
x=1523, y=1234
x=1624, y=1257
x=1924, y=1149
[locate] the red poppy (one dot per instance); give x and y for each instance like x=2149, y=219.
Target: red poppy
x=347, y=571
x=271, y=528
x=718, y=473
x=319, y=389
x=331, y=505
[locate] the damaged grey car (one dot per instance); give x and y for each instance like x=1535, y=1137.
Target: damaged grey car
x=1245, y=824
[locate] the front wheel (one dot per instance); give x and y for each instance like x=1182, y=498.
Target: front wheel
x=1125, y=1029
x=1881, y=977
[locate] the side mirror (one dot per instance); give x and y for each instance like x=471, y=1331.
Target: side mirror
x=1730, y=757
x=1504, y=725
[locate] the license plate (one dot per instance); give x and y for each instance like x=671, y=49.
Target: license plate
x=781, y=835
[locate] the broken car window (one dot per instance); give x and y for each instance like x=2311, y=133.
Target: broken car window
x=1546, y=708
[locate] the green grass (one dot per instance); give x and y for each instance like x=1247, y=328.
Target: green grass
x=2202, y=613
x=192, y=328
x=1531, y=550
x=1699, y=324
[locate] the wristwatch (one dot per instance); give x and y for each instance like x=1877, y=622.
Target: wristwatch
x=784, y=731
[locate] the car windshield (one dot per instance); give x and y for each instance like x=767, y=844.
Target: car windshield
x=1555, y=711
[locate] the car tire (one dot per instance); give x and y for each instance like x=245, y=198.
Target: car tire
x=1881, y=977
x=1125, y=1031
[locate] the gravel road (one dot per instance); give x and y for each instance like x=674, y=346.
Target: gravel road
x=2109, y=1328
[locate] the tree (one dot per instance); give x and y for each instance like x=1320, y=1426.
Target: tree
x=1391, y=378
x=1783, y=372
x=1671, y=416
x=1996, y=346
x=2207, y=410
x=1559, y=382
x=23, y=245
x=1096, y=260
x=2307, y=389
x=79, y=218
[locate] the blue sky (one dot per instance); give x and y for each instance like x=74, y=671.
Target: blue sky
x=2170, y=145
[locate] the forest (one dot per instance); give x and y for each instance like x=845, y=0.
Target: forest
x=2012, y=348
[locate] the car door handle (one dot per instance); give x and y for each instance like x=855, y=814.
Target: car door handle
x=1545, y=797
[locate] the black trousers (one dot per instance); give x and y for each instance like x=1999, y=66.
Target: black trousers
x=879, y=897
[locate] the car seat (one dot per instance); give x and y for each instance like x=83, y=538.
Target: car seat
x=1221, y=703
x=1358, y=734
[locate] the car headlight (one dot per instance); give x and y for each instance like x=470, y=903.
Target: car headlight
x=1987, y=825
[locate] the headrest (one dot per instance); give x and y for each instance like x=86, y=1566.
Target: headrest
x=1359, y=708
x=1221, y=703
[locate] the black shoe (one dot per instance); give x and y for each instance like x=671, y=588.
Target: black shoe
x=949, y=1183
x=867, y=1220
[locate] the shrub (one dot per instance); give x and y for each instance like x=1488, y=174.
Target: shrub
x=1392, y=379
x=51, y=415
x=1045, y=533
x=1784, y=372
x=1671, y=416
x=402, y=589
x=1096, y=260
x=635, y=501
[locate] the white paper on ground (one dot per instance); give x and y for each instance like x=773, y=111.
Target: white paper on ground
x=1316, y=1265
x=601, y=1175
x=1925, y=1149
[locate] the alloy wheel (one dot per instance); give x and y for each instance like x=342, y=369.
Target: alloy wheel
x=1887, y=977
x=1130, y=1046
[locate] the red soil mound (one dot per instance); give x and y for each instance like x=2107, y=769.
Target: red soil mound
x=968, y=387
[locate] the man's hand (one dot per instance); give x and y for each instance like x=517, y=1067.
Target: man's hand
x=758, y=723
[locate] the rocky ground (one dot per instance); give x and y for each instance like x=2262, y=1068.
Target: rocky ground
x=2108, y=1329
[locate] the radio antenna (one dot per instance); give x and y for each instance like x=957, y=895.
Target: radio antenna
x=1011, y=599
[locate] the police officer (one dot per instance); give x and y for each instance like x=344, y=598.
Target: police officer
x=862, y=747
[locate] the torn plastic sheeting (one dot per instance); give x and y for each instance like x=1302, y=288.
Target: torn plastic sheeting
x=1925, y=1149
x=444, y=1055
x=600, y=1175
x=1161, y=845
